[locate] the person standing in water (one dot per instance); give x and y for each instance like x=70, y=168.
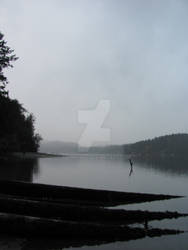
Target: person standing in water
x=131, y=163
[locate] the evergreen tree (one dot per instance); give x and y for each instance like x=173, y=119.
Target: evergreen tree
x=17, y=132
x=6, y=58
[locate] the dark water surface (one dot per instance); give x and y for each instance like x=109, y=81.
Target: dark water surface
x=167, y=176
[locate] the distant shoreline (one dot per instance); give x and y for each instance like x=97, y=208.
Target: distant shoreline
x=31, y=155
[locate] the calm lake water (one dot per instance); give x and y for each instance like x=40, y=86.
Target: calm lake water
x=112, y=173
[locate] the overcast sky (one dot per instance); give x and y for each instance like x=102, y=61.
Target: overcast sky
x=75, y=53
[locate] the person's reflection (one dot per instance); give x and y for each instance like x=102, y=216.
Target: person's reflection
x=131, y=167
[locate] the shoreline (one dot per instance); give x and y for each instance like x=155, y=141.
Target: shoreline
x=28, y=155
x=31, y=155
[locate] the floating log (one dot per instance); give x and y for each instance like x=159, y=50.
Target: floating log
x=34, y=226
x=73, y=195
x=80, y=213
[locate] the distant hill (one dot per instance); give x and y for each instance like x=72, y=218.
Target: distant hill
x=58, y=147
x=110, y=149
x=168, y=145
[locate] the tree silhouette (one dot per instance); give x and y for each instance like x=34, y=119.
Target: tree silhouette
x=6, y=58
x=17, y=131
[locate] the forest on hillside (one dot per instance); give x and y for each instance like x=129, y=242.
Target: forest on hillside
x=168, y=145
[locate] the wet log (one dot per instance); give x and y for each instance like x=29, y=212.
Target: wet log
x=73, y=195
x=34, y=226
x=80, y=213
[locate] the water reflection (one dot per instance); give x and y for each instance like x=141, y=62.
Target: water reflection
x=29, y=169
x=106, y=172
x=64, y=243
x=22, y=170
x=169, y=165
x=57, y=244
x=131, y=171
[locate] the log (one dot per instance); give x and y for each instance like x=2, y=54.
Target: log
x=80, y=213
x=72, y=195
x=33, y=227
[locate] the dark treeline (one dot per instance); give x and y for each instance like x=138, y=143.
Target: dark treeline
x=17, y=132
x=168, y=145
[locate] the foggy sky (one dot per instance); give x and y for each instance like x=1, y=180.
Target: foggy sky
x=74, y=53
